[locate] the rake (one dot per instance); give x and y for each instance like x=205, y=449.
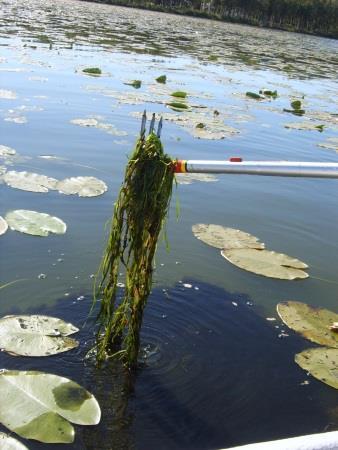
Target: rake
x=236, y=165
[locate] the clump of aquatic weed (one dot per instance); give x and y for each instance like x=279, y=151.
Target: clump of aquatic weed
x=139, y=214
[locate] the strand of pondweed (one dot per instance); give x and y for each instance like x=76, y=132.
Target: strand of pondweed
x=139, y=214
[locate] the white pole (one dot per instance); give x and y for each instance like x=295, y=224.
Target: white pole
x=272, y=168
x=321, y=441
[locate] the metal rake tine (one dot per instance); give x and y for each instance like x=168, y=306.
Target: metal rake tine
x=152, y=124
x=159, y=127
x=143, y=124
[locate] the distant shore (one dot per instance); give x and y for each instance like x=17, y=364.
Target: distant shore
x=315, y=17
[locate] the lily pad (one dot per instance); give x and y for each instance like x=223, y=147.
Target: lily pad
x=304, y=126
x=6, y=151
x=135, y=84
x=162, y=79
x=225, y=238
x=177, y=106
x=37, y=405
x=312, y=323
x=36, y=335
x=189, y=178
x=93, y=122
x=266, y=263
x=331, y=143
x=3, y=226
x=92, y=71
x=321, y=363
x=9, y=443
x=179, y=94
x=254, y=96
x=35, y=223
x=28, y=181
x=82, y=186
x=8, y=95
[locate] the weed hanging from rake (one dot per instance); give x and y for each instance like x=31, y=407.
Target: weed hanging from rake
x=139, y=214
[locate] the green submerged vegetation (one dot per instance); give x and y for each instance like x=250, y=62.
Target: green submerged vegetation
x=306, y=16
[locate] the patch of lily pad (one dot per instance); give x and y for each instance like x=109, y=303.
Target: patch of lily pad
x=36, y=335
x=82, y=186
x=28, y=181
x=306, y=126
x=34, y=223
x=267, y=263
x=312, y=323
x=7, y=95
x=93, y=122
x=190, y=178
x=92, y=71
x=134, y=83
x=225, y=237
x=318, y=325
x=3, y=226
x=6, y=151
x=162, y=79
x=331, y=144
x=40, y=406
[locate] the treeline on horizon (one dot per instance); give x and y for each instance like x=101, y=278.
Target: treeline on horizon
x=307, y=16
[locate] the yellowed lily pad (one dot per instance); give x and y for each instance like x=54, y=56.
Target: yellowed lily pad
x=331, y=144
x=29, y=181
x=312, y=323
x=36, y=335
x=37, y=405
x=6, y=151
x=3, y=226
x=306, y=126
x=35, y=223
x=266, y=263
x=224, y=237
x=82, y=186
x=321, y=363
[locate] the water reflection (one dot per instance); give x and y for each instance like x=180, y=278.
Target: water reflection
x=112, y=28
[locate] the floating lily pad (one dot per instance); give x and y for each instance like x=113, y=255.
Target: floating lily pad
x=225, y=238
x=6, y=151
x=189, y=178
x=37, y=405
x=135, y=83
x=162, y=79
x=266, y=263
x=254, y=96
x=92, y=71
x=36, y=335
x=8, y=95
x=35, y=223
x=9, y=443
x=331, y=144
x=312, y=323
x=82, y=186
x=92, y=122
x=177, y=106
x=3, y=226
x=321, y=363
x=28, y=181
x=296, y=104
x=304, y=126
x=179, y=94
x=269, y=93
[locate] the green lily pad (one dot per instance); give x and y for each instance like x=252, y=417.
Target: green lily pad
x=36, y=335
x=321, y=363
x=254, y=96
x=179, y=94
x=3, y=226
x=177, y=106
x=162, y=79
x=135, y=84
x=296, y=104
x=266, y=263
x=312, y=323
x=92, y=71
x=304, y=126
x=37, y=405
x=35, y=223
x=82, y=186
x=28, y=181
x=225, y=238
x=9, y=443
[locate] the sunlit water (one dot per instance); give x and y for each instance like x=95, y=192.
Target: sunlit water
x=215, y=374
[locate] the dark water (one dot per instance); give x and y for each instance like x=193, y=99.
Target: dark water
x=213, y=374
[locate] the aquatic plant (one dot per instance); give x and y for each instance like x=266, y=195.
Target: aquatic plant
x=162, y=79
x=179, y=94
x=135, y=84
x=177, y=105
x=254, y=95
x=35, y=223
x=92, y=71
x=139, y=214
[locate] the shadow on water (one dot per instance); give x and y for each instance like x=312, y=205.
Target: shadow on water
x=213, y=373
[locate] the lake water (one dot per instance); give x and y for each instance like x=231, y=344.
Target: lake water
x=214, y=374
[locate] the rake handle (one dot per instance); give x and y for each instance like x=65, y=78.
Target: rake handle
x=267, y=168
